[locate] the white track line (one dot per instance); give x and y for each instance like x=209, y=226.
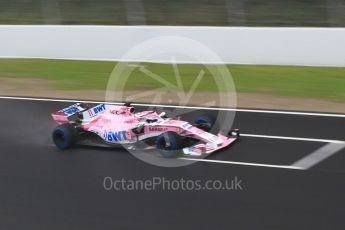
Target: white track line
x=183, y=107
x=243, y=163
x=319, y=155
x=294, y=138
x=302, y=164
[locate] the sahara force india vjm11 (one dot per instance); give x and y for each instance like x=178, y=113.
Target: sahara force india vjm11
x=120, y=125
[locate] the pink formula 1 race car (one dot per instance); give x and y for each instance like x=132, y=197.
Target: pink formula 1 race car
x=114, y=125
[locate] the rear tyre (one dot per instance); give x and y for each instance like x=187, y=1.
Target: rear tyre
x=168, y=144
x=65, y=136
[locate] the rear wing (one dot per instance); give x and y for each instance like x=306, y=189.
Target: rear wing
x=63, y=116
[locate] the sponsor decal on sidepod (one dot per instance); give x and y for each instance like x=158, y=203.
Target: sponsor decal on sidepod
x=100, y=108
x=115, y=136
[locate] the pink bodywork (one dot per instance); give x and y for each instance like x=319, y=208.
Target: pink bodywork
x=115, y=124
x=60, y=118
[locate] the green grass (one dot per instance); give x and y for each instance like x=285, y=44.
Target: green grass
x=310, y=82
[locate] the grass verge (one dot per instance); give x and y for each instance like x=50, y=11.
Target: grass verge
x=310, y=82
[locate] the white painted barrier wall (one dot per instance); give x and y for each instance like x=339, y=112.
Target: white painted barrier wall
x=285, y=46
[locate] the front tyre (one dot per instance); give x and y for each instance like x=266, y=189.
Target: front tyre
x=168, y=144
x=65, y=136
x=234, y=133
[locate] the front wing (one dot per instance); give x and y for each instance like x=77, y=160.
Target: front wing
x=207, y=148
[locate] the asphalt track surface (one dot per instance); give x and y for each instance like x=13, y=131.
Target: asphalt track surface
x=43, y=188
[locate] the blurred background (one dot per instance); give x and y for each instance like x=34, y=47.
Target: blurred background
x=304, y=88
x=295, y=13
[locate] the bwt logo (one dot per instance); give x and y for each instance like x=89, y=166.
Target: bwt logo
x=99, y=109
x=71, y=111
x=115, y=136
